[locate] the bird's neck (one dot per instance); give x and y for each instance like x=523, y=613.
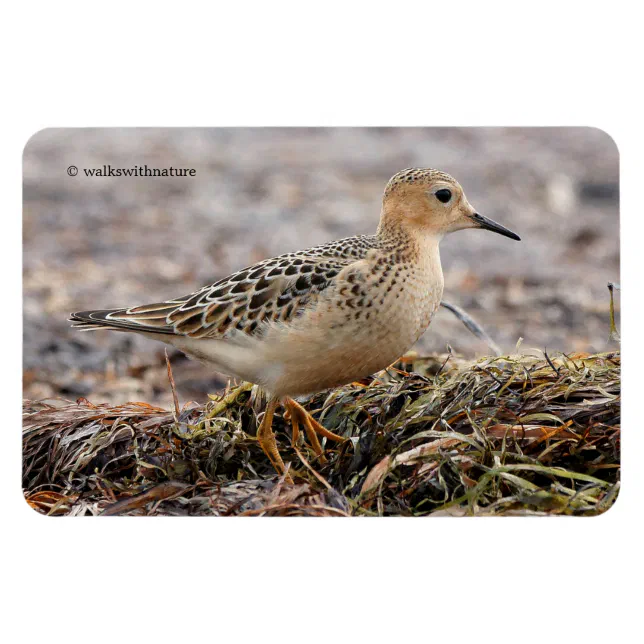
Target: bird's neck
x=412, y=243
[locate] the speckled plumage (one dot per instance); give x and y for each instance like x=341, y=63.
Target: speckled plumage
x=317, y=318
x=416, y=175
x=355, y=290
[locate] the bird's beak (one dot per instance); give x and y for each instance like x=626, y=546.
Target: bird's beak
x=483, y=222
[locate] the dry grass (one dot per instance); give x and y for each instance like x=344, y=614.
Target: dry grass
x=503, y=435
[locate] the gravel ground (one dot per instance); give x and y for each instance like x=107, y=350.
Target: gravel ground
x=92, y=242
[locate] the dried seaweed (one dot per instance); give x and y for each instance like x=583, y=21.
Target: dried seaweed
x=528, y=435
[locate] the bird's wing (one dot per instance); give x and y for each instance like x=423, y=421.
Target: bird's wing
x=272, y=290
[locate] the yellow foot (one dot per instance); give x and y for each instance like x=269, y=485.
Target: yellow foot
x=297, y=415
x=267, y=441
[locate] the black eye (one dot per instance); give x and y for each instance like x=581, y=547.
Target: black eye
x=443, y=195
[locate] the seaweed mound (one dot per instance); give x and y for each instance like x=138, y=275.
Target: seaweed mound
x=535, y=435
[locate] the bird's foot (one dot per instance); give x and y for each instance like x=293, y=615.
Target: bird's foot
x=267, y=441
x=297, y=414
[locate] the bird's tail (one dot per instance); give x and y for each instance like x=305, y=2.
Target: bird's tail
x=132, y=320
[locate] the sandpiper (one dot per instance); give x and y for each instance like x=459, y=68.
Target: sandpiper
x=318, y=318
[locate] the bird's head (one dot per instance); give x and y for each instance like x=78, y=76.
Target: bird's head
x=432, y=202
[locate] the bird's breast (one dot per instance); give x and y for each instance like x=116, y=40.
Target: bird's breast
x=361, y=328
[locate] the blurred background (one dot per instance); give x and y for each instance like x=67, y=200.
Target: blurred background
x=101, y=242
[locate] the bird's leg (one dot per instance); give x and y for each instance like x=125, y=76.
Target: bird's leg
x=295, y=425
x=294, y=417
x=267, y=441
x=315, y=443
x=313, y=428
x=313, y=438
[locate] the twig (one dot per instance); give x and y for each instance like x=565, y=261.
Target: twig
x=172, y=386
x=162, y=492
x=472, y=326
x=614, y=333
x=278, y=486
x=449, y=355
x=309, y=467
x=549, y=361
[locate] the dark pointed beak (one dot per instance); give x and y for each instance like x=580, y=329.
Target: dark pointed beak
x=488, y=224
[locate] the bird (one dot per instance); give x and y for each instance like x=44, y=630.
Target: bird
x=319, y=318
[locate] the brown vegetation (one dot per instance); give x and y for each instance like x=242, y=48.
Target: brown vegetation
x=503, y=435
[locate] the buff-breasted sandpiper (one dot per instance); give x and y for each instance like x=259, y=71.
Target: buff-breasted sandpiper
x=323, y=317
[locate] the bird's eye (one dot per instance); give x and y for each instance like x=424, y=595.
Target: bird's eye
x=443, y=195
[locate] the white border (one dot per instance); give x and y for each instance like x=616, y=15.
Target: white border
x=82, y=64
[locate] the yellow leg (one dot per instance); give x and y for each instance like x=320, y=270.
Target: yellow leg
x=295, y=425
x=312, y=427
x=313, y=439
x=267, y=441
x=295, y=417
